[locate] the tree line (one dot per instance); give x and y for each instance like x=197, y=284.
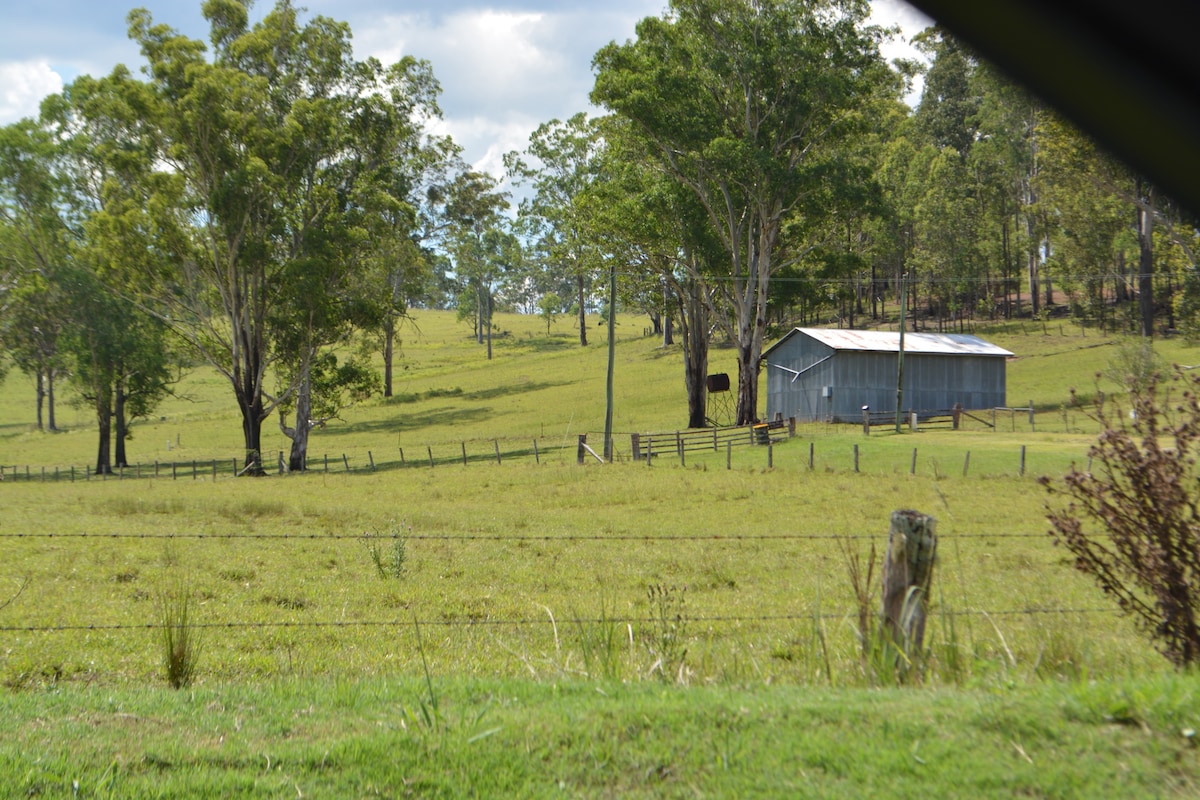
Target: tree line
x=272, y=207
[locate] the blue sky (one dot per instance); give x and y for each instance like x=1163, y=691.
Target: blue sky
x=505, y=66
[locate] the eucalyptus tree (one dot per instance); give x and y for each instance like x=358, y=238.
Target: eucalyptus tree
x=559, y=165
x=745, y=104
x=264, y=138
x=478, y=244
x=34, y=248
x=125, y=226
x=642, y=219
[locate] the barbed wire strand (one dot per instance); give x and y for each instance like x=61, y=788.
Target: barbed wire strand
x=596, y=537
x=515, y=622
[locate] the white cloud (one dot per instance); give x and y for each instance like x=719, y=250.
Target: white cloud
x=23, y=86
x=502, y=72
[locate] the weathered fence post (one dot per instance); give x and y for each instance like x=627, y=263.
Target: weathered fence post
x=464, y=453
x=537, y=457
x=958, y=409
x=497, y=443
x=1032, y=424
x=913, y=469
x=582, y=448
x=913, y=422
x=635, y=442
x=1022, y=472
x=770, y=456
x=866, y=420
x=907, y=577
x=729, y=455
x=371, y=458
x=966, y=463
x=856, y=458
x=345, y=462
x=430, y=449
x=811, y=448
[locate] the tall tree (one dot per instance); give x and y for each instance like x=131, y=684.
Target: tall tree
x=559, y=165
x=261, y=135
x=480, y=247
x=745, y=103
x=34, y=249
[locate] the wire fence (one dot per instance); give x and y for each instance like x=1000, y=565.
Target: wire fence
x=529, y=621
x=811, y=453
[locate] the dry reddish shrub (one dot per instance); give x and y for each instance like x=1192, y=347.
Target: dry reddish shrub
x=1131, y=520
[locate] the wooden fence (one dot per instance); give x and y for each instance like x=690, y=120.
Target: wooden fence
x=651, y=445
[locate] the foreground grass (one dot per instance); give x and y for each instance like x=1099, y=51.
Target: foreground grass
x=696, y=574
x=463, y=738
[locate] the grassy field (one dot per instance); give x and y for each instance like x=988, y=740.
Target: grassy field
x=522, y=622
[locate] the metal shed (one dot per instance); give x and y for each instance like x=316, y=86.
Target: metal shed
x=818, y=374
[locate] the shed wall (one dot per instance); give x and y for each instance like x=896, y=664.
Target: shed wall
x=834, y=385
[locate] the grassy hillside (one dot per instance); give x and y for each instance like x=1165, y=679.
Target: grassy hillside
x=537, y=385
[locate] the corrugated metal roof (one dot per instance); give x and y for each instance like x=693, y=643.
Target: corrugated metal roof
x=950, y=344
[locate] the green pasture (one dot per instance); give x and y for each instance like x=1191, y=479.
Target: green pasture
x=517, y=621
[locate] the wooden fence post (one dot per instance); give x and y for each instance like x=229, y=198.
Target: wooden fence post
x=907, y=577
x=866, y=420
x=345, y=462
x=537, y=457
x=729, y=455
x=635, y=442
x=966, y=463
x=811, y=448
x=430, y=449
x=497, y=443
x=856, y=458
x=581, y=450
x=1022, y=473
x=958, y=409
x=371, y=458
x=913, y=469
x=464, y=453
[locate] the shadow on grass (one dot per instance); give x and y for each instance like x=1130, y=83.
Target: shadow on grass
x=554, y=343
x=409, y=423
x=525, y=386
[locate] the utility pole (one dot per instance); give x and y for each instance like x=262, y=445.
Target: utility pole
x=612, y=316
x=900, y=355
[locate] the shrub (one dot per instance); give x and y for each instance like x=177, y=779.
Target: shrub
x=1131, y=519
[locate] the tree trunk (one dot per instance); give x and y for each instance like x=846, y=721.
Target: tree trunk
x=52, y=424
x=40, y=378
x=479, y=313
x=582, y=312
x=298, y=458
x=1145, y=232
x=252, y=419
x=693, y=325
x=104, y=446
x=488, y=307
x=1121, y=293
x=122, y=432
x=389, y=339
x=668, y=332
